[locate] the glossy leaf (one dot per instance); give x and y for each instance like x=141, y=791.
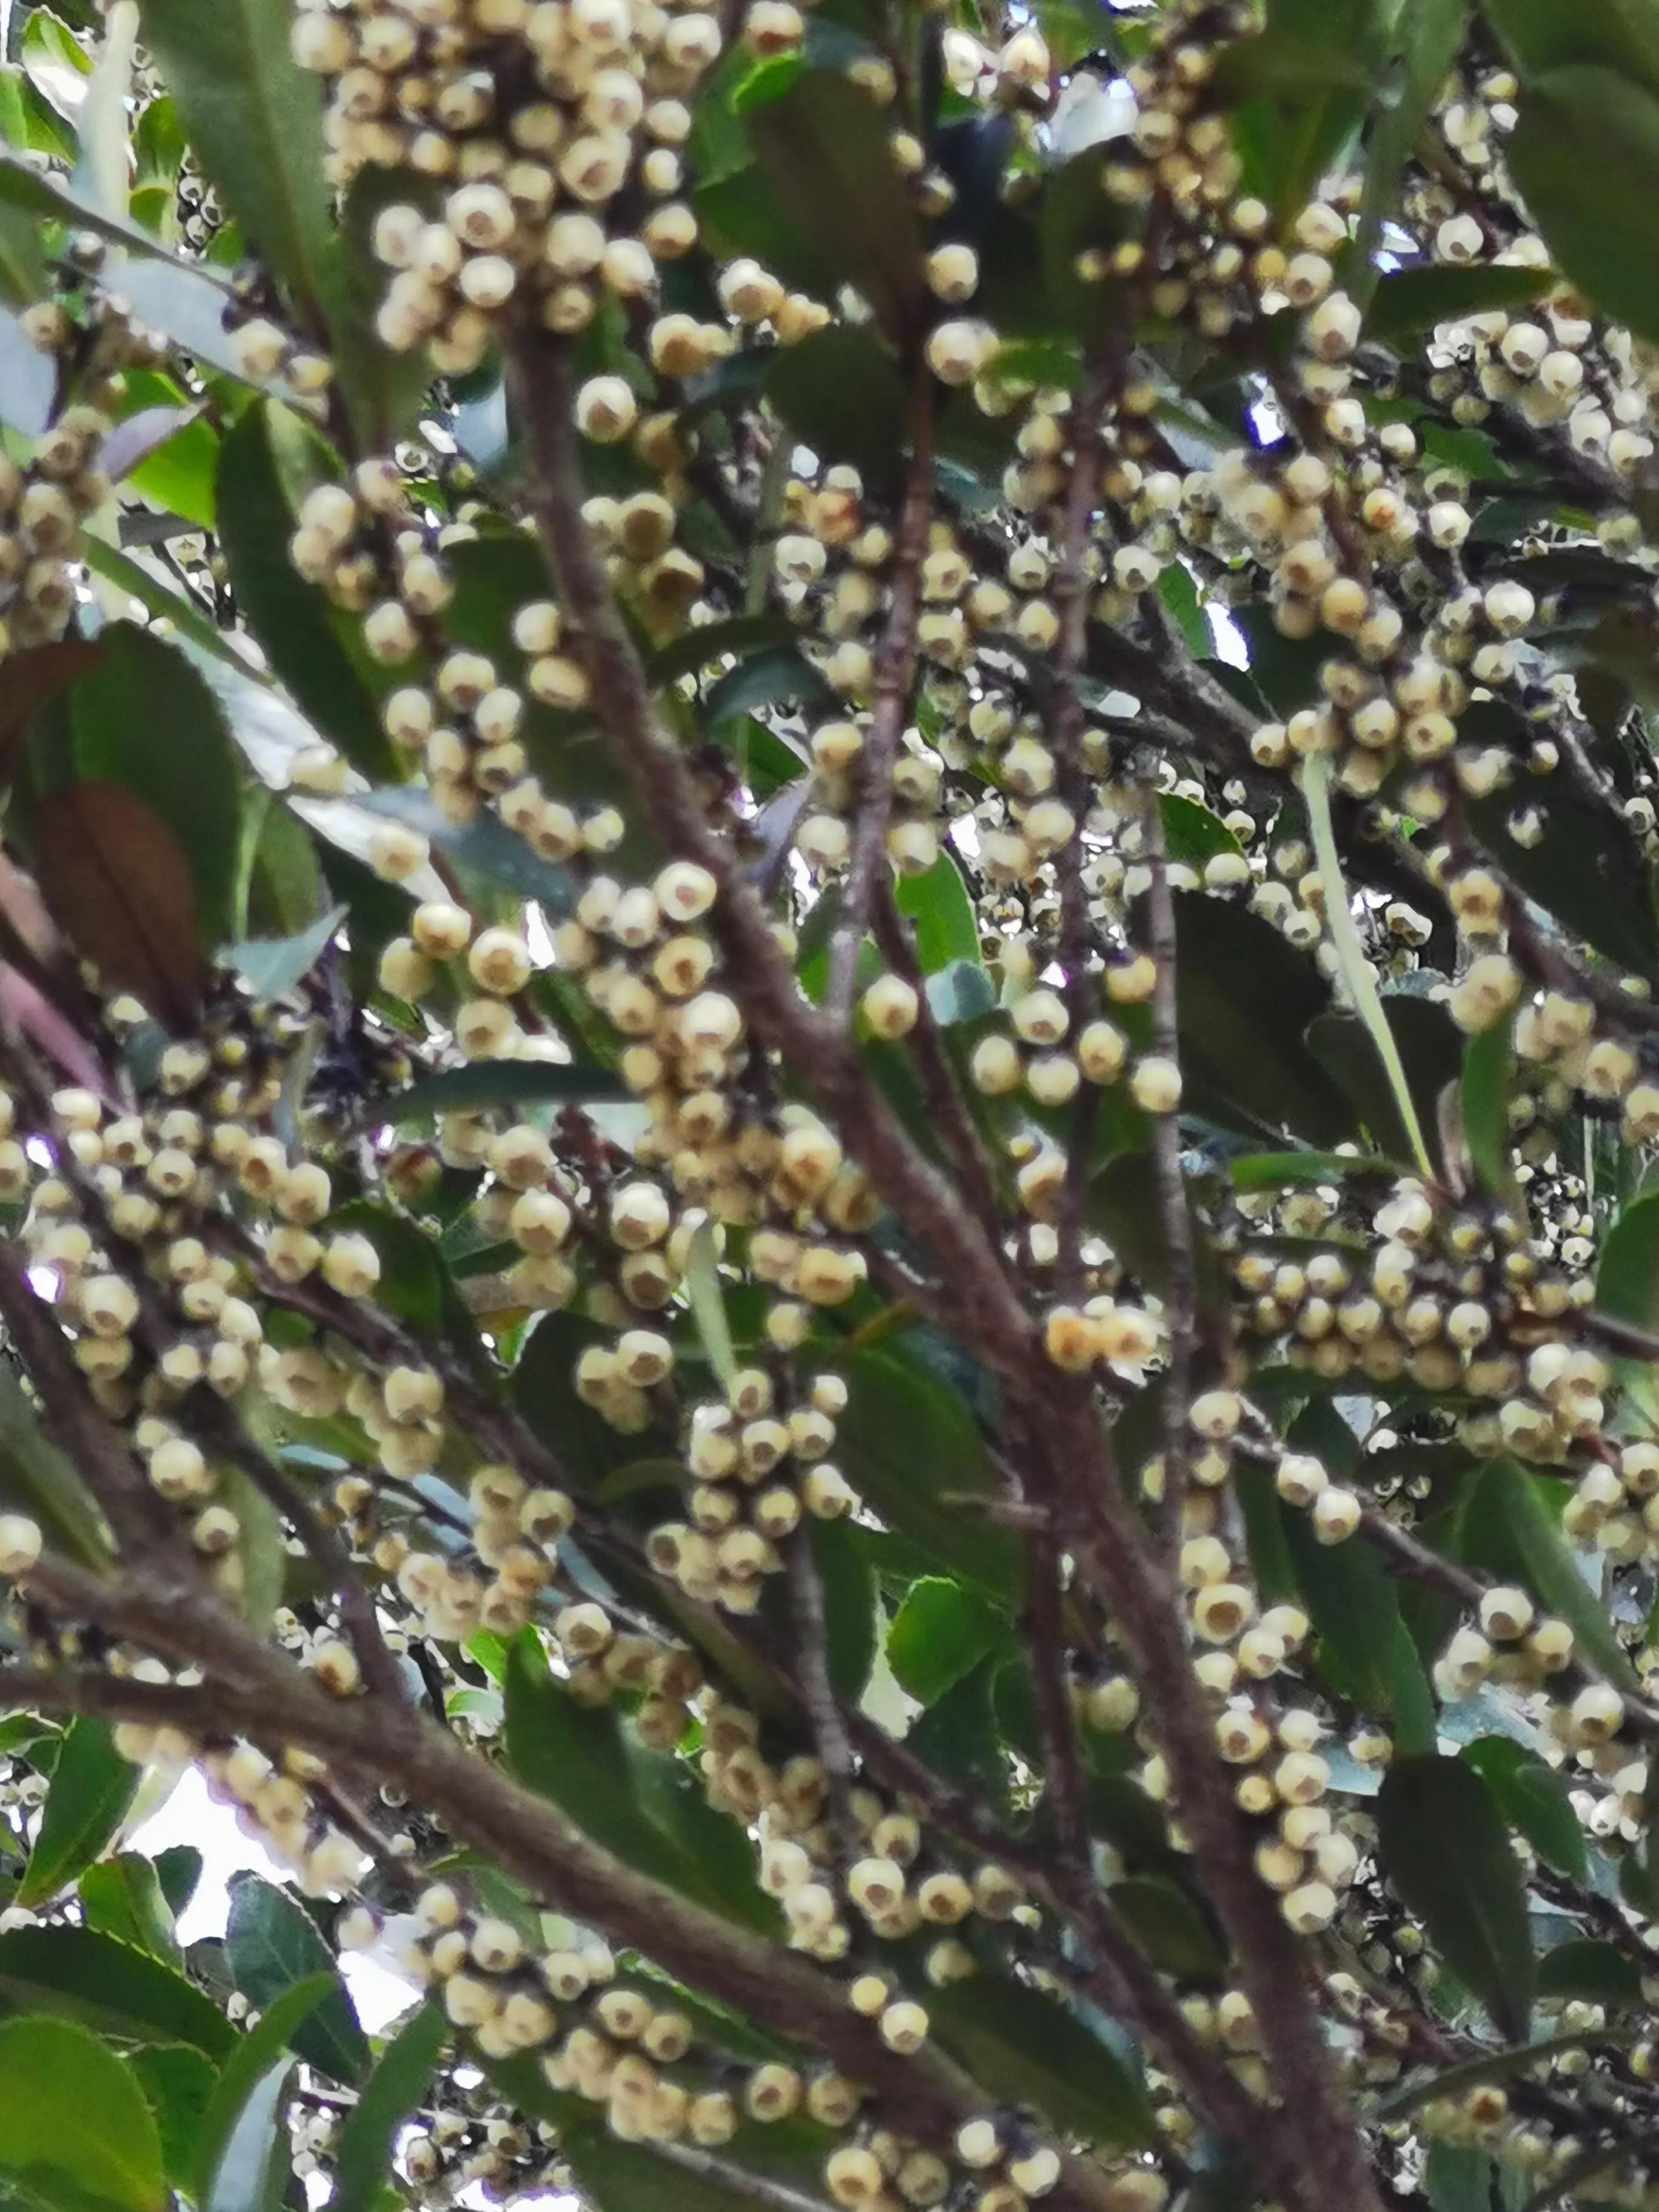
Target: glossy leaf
x=291, y=619
x=108, y=1986
x=73, y=2119
x=272, y=966
x=256, y=118
x=397, y=2085
x=177, y=2083
x=1443, y=1846
x=271, y=1942
x=92, y=1787
x=1533, y=1798
x=1509, y=1527
x=244, y=2070
x=253, y=2173
x=939, y=1634
x=514, y=1083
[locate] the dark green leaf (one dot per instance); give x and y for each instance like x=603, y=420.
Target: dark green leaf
x=485, y=1083
x=1585, y=155
x=939, y=1634
x=1582, y=1967
x=780, y=677
x=1427, y=36
x=840, y=391
x=1533, y=1798
x=389, y=2094
x=108, y=1986
x=1484, y=1101
x=1036, y=2052
x=179, y=1870
x=1621, y=34
x=270, y=1943
x=709, y=642
x=822, y=146
x=848, y=1577
x=292, y=620
x=1413, y=299
x=1245, y=1002
x=908, y=1443
x=1442, y=1846
x=1353, y=1604
x=1430, y=1048
x=250, y=2063
x=1457, y=2177
x=1509, y=1527
x=1627, y=1272
x=412, y=1284
x=255, y=118
x=92, y=1786
x=73, y=2119
x=1170, y=1928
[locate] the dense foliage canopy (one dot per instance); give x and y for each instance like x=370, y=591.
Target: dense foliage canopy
x=829, y=1088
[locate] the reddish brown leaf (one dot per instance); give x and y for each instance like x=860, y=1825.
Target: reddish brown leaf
x=118, y=884
x=32, y=677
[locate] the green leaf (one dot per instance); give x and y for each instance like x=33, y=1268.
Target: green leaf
x=122, y=1897
x=303, y=638
x=1509, y=1529
x=389, y=2094
x=109, y=1986
x=1442, y=1846
x=514, y=1083
x=822, y=146
x=1484, y=1103
x=575, y=1756
x=1245, y=999
x=1036, y=2052
x=178, y=1871
x=272, y=966
x=1533, y=1798
x=940, y=910
x=1354, y=1605
x=1584, y=1967
x=1457, y=2177
x=1191, y=832
x=36, y=1475
x=840, y=392
x=1179, y=593
x=92, y=1786
x=847, y=1573
x=939, y=1634
x=707, y=1304
x=1627, y=1272
x=1170, y=1928
x=1276, y=1170
x=255, y=119
x=1585, y=155
x=412, y=1282
x=779, y=676
x=175, y=756
x=248, y=2065
x=1427, y=36
x=705, y=642
x=73, y=2119
x=177, y=2083
x=908, y=1445
x=1413, y=299
x=270, y=1943
x=961, y=991
x=1622, y=34
x=253, y=2175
